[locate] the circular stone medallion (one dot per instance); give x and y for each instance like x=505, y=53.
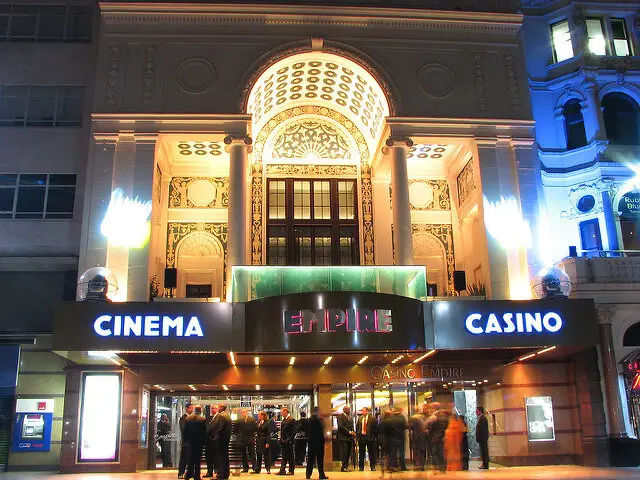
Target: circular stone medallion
x=436, y=80
x=195, y=75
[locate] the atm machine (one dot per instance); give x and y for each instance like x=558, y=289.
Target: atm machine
x=32, y=425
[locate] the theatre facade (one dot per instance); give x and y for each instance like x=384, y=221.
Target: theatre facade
x=319, y=206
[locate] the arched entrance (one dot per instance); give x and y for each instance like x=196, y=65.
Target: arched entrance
x=200, y=264
x=317, y=118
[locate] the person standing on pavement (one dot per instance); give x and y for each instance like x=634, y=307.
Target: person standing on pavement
x=247, y=428
x=418, y=429
x=184, y=446
x=287, y=436
x=222, y=439
x=195, y=432
x=163, y=432
x=316, y=438
x=345, y=437
x=482, y=437
x=397, y=428
x=210, y=449
x=301, y=439
x=263, y=441
x=366, y=433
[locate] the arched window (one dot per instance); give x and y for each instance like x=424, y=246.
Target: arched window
x=632, y=336
x=574, y=124
x=620, y=114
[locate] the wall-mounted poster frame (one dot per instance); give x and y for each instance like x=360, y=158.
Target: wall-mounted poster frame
x=539, y=415
x=100, y=426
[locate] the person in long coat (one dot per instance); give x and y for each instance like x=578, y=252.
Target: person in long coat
x=316, y=438
x=453, y=444
x=482, y=437
x=195, y=432
x=263, y=441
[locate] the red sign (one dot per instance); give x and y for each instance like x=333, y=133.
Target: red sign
x=42, y=405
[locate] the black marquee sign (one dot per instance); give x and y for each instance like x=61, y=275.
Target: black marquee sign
x=629, y=205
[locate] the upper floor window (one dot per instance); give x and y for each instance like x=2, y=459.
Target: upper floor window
x=590, y=235
x=561, y=40
x=574, y=124
x=45, y=23
x=41, y=106
x=37, y=195
x=621, y=116
x=312, y=222
x=602, y=43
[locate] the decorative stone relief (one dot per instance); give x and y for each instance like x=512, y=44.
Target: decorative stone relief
x=444, y=234
x=512, y=82
x=199, y=192
x=427, y=195
x=197, y=148
x=195, y=75
x=577, y=192
x=436, y=80
x=112, y=87
x=479, y=81
x=148, y=74
x=157, y=186
x=288, y=170
x=257, y=180
x=466, y=183
x=176, y=231
x=425, y=151
x=311, y=140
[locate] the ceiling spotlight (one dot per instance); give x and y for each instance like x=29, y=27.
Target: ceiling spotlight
x=363, y=359
x=328, y=360
x=257, y=387
x=290, y=386
x=225, y=388
x=232, y=359
x=397, y=359
x=256, y=361
x=426, y=355
x=292, y=360
x=192, y=388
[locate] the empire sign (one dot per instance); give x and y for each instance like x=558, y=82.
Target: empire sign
x=430, y=372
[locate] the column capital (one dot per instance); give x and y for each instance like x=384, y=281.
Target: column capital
x=145, y=138
x=605, y=314
x=398, y=141
x=238, y=138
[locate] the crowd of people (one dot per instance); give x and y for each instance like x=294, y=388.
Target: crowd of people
x=438, y=438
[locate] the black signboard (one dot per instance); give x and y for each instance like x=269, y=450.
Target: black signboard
x=629, y=205
x=504, y=323
x=156, y=326
x=330, y=321
x=539, y=412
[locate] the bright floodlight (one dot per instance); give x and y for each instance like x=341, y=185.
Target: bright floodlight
x=552, y=282
x=97, y=284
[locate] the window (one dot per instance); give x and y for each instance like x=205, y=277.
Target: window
x=595, y=32
x=45, y=23
x=590, y=235
x=586, y=203
x=312, y=222
x=37, y=196
x=620, y=115
x=574, y=124
x=561, y=41
x=41, y=106
x=620, y=40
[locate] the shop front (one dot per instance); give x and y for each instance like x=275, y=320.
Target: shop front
x=524, y=361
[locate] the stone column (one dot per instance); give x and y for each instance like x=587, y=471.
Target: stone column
x=610, y=221
x=238, y=147
x=615, y=419
x=592, y=114
x=402, y=240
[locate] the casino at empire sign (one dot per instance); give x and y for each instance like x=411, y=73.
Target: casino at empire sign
x=513, y=323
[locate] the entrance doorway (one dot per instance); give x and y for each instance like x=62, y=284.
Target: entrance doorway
x=165, y=451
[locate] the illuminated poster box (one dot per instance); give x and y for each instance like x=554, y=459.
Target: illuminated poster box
x=99, y=439
x=540, y=427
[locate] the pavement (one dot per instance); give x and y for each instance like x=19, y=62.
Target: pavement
x=498, y=473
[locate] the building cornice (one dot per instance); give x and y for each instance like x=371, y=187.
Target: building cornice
x=166, y=123
x=460, y=127
x=353, y=17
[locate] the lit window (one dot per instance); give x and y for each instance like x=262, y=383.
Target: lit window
x=597, y=44
x=620, y=40
x=561, y=38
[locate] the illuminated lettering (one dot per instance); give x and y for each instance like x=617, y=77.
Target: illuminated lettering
x=146, y=326
x=536, y=322
x=335, y=319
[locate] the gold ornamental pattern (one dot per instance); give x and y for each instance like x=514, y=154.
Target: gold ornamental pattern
x=288, y=170
x=179, y=192
x=438, y=195
x=444, y=233
x=257, y=181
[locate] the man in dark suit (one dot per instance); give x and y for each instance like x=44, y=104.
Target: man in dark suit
x=366, y=433
x=184, y=445
x=482, y=437
x=345, y=437
x=195, y=433
x=247, y=428
x=287, y=436
x=221, y=441
x=210, y=449
x=397, y=425
x=315, y=436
